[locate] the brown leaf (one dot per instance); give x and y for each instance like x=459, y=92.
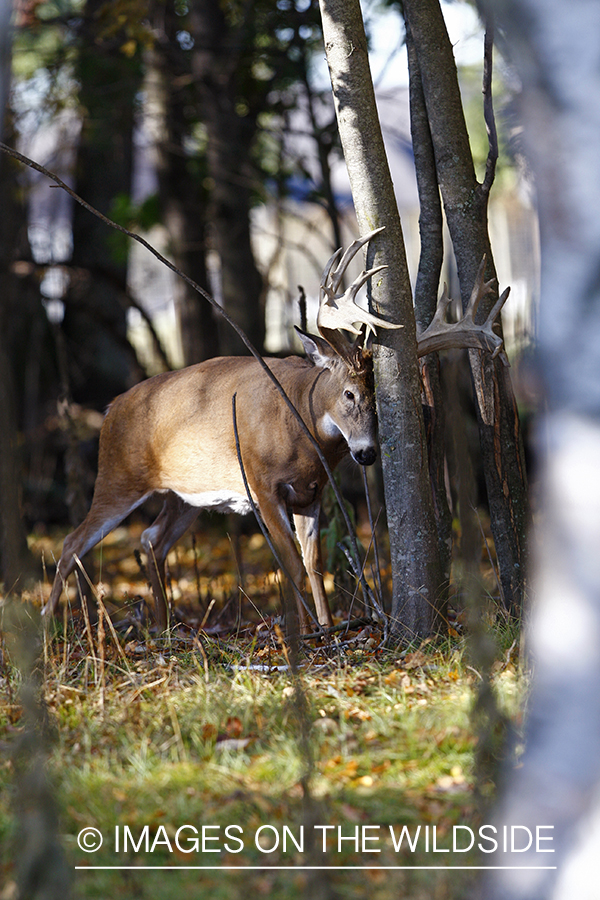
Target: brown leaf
x=415, y=660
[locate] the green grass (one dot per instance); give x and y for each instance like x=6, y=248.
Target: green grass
x=147, y=736
x=156, y=737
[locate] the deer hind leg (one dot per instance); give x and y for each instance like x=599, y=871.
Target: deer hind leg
x=172, y=522
x=106, y=512
x=306, y=522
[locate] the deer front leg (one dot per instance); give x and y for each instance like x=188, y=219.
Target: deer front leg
x=276, y=519
x=172, y=522
x=307, y=529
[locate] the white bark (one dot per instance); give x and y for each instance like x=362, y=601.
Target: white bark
x=556, y=46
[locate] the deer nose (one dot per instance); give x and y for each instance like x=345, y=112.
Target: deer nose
x=366, y=456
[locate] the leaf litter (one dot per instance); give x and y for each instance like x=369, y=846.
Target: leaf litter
x=202, y=727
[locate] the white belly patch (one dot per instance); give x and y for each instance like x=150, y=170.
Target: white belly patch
x=219, y=501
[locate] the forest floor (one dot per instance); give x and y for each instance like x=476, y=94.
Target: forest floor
x=209, y=768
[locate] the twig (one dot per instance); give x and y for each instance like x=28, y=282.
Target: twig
x=373, y=525
x=488, y=105
x=101, y=656
x=177, y=732
x=489, y=556
x=196, y=568
x=86, y=612
x=207, y=614
x=471, y=669
x=302, y=305
x=196, y=287
x=261, y=524
x=343, y=626
x=369, y=596
x=101, y=605
x=198, y=644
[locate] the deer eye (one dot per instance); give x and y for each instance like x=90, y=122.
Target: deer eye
x=349, y=395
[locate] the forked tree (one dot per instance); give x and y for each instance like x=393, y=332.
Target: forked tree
x=417, y=566
x=445, y=167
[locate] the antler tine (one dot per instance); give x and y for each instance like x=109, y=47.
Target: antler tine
x=441, y=307
x=341, y=311
x=338, y=311
x=490, y=321
x=498, y=305
x=362, y=278
x=349, y=256
x=480, y=290
x=442, y=335
x=326, y=271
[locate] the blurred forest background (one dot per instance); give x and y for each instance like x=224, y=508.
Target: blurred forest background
x=209, y=128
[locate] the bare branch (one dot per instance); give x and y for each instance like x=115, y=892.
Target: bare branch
x=430, y=215
x=263, y=528
x=136, y=237
x=488, y=105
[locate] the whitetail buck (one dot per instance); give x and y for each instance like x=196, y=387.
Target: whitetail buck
x=173, y=434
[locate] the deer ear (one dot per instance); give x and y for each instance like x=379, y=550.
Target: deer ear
x=319, y=352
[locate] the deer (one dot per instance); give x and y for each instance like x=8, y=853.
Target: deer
x=173, y=435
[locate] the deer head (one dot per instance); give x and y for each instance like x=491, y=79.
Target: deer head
x=353, y=414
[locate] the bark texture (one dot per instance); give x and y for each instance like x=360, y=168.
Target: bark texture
x=413, y=538
x=465, y=204
x=426, y=293
x=101, y=362
x=16, y=564
x=183, y=196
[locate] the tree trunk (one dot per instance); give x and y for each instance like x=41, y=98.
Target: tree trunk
x=465, y=204
x=426, y=293
x=229, y=134
x=413, y=540
x=323, y=137
x=556, y=49
x=102, y=363
x=183, y=195
x=16, y=564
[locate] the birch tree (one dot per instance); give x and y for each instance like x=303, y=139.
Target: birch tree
x=556, y=47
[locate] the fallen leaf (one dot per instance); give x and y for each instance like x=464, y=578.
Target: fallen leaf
x=415, y=660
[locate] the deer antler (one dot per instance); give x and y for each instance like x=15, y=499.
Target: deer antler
x=340, y=310
x=442, y=335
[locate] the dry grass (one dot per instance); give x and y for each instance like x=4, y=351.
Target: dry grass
x=212, y=730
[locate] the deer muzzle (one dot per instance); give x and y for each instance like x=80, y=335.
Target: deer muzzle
x=366, y=456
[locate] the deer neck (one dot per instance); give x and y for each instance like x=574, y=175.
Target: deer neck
x=319, y=400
